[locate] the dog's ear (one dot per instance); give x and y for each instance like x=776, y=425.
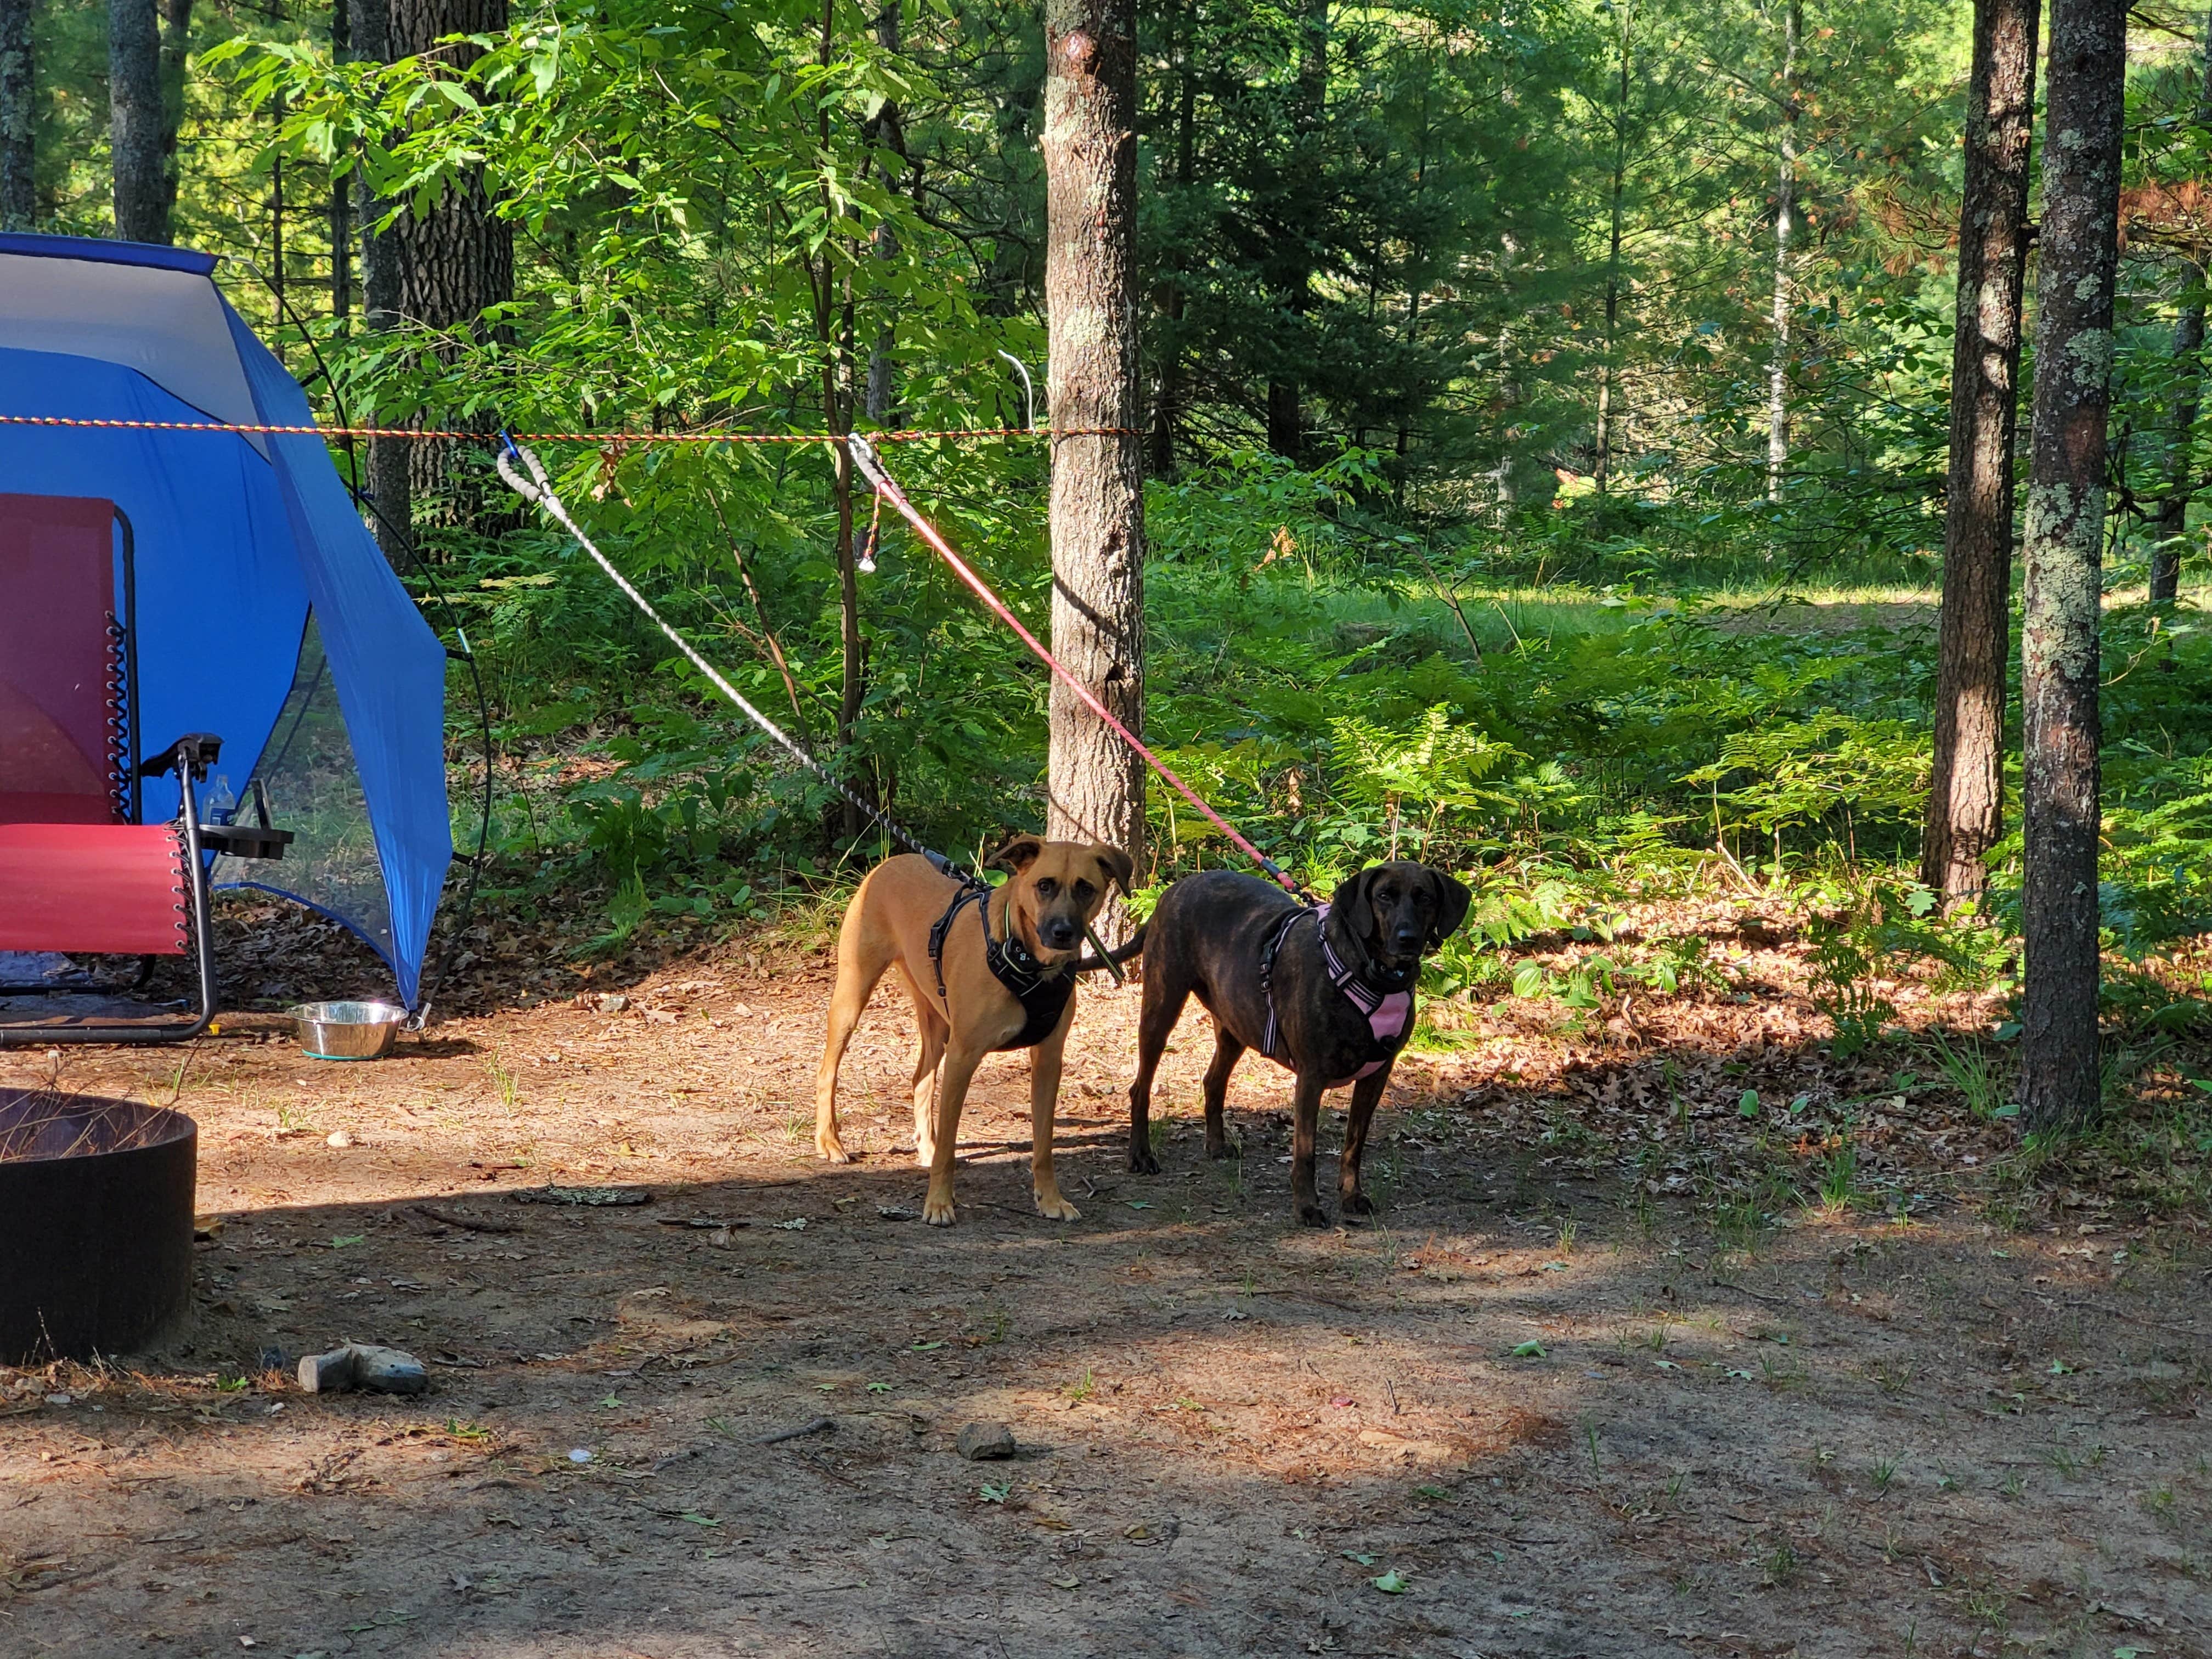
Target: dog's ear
x=1117, y=866
x=1015, y=854
x=1350, y=899
x=1454, y=898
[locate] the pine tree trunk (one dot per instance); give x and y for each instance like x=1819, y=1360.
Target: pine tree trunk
x=176, y=50
x=1602, y=470
x=134, y=120
x=340, y=187
x=1785, y=215
x=1966, y=795
x=19, y=195
x=2078, y=242
x=2173, y=521
x=453, y=262
x=887, y=127
x=1096, y=785
x=369, y=30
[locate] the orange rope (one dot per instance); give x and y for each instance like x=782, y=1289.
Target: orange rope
x=603, y=438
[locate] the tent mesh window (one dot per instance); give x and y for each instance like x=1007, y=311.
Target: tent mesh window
x=312, y=783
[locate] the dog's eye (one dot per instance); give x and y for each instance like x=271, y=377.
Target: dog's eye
x=1084, y=890
x=1047, y=887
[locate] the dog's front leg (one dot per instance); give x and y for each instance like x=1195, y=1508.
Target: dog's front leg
x=1366, y=1095
x=1227, y=1051
x=1044, y=1097
x=1305, y=1115
x=960, y=1064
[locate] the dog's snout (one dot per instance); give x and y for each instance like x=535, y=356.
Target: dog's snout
x=1406, y=938
x=1061, y=933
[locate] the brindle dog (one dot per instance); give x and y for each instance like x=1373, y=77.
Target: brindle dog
x=1212, y=936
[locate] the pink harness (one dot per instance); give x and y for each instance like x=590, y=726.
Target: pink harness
x=1388, y=1012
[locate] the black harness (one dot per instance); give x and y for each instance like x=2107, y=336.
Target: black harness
x=1043, y=991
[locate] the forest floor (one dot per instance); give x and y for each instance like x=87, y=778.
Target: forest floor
x=1575, y=1392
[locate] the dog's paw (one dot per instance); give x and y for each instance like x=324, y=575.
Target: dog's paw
x=1224, y=1147
x=1312, y=1215
x=1143, y=1163
x=830, y=1150
x=937, y=1211
x=1358, y=1204
x=924, y=1157
x=1056, y=1208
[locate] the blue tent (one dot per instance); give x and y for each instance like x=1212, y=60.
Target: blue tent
x=265, y=612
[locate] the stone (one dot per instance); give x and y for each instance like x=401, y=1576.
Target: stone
x=981, y=1442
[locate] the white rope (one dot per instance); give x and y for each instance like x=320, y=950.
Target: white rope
x=538, y=488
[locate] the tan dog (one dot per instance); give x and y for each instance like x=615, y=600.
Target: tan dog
x=1040, y=914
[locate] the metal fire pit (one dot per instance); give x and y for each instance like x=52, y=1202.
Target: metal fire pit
x=96, y=1224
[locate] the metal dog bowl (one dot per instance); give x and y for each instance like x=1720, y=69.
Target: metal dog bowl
x=96, y=1224
x=347, y=1031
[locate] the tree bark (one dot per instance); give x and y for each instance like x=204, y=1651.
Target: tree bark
x=453, y=263
x=887, y=127
x=19, y=195
x=340, y=187
x=369, y=31
x=2173, y=521
x=1966, y=796
x=176, y=51
x=134, y=120
x=1096, y=786
x=1602, y=468
x=2079, y=244
x=1785, y=213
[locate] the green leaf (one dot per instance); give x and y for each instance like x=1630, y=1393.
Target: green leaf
x=1529, y=1350
x=1747, y=1104
x=340, y=1243
x=1392, y=1583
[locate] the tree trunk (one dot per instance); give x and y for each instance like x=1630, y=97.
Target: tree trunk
x=836, y=408
x=2173, y=521
x=1966, y=796
x=1785, y=213
x=887, y=127
x=453, y=262
x=340, y=187
x=19, y=197
x=134, y=120
x=2079, y=245
x=1096, y=786
x=1601, y=469
x=176, y=50
x=369, y=30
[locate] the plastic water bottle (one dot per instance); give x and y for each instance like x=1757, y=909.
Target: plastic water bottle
x=220, y=804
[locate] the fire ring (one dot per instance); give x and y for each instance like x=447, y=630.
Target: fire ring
x=96, y=1224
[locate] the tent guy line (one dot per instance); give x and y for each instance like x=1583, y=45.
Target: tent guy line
x=616, y=439
x=538, y=488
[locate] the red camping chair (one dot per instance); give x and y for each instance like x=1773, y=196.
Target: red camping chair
x=79, y=874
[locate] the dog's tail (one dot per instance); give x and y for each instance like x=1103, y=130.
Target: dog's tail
x=1113, y=958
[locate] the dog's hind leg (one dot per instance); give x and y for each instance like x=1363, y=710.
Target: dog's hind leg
x=1044, y=1095
x=1165, y=992
x=1227, y=1051
x=960, y=1064
x=931, y=1033
x=1305, y=1129
x=863, y=954
x=1366, y=1095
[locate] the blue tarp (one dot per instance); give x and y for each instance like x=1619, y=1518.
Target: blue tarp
x=262, y=601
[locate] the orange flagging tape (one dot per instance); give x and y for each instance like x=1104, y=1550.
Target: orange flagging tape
x=601, y=438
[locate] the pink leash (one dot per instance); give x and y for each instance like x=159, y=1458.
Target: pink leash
x=872, y=469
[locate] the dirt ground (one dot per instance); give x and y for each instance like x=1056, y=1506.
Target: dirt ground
x=1542, y=1406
